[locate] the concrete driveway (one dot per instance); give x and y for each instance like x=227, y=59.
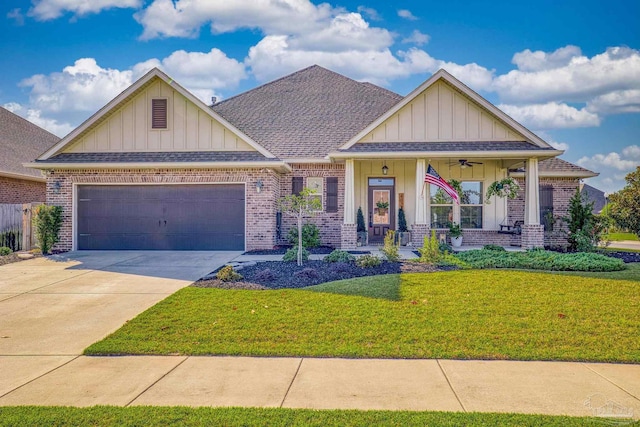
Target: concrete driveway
x=61, y=304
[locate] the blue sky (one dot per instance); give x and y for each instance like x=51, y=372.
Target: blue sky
x=569, y=71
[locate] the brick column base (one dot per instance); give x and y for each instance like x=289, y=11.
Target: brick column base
x=418, y=231
x=532, y=236
x=348, y=237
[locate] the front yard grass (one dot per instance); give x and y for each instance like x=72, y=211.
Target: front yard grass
x=471, y=314
x=164, y=416
x=617, y=237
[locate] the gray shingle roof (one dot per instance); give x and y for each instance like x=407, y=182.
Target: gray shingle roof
x=442, y=146
x=160, y=157
x=558, y=165
x=592, y=194
x=21, y=141
x=308, y=113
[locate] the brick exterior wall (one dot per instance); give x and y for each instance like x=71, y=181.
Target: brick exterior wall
x=329, y=223
x=21, y=191
x=563, y=190
x=260, y=207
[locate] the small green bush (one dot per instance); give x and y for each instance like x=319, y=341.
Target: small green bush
x=339, y=256
x=310, y=236
x=430, y=250
x=494, y=248
x=539, y=259
x=390, y=249
x=292, y=255
x=228, y=274
x=47, y=223
x=444, y=247
x=5, y=251
x=367, y=261
x=448, y=259
x=360, y=221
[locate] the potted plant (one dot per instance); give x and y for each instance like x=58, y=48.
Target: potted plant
x=507, y=187
x=403, y=234
x=456, y=235
x=361, y=229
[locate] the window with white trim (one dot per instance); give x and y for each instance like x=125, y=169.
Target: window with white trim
x=441, y=205
x=471, y=204
x=316, y=183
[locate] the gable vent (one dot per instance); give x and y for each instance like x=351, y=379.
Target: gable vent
x=158, y=114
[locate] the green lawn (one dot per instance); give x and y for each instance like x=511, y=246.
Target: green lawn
x=632, y=272
x=471, y=314
x=165, y=416
x=616, y=237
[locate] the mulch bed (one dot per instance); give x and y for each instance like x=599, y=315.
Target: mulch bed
x=624, y=256
x=281, y=274
x=282, y=249
x=8, y=259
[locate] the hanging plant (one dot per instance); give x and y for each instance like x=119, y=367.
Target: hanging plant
x=381, y=204
x=507, y=187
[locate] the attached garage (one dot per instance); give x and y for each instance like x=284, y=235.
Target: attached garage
x=161, y=217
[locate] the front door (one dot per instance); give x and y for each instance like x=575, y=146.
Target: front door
x=382, y=205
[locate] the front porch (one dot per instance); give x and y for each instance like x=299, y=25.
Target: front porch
x=380, y=188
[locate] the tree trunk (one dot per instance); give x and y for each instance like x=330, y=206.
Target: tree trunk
x=300, y=237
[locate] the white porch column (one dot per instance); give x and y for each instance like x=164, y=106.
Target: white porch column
x=349, y=193
x=531, y=195
x=421, y=206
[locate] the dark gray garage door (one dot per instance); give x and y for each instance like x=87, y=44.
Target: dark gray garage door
x=161, y=217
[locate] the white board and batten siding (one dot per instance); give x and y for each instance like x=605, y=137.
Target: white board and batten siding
x=439, y=114
x=128, y=129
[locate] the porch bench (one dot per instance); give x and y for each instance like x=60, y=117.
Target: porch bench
x=516, y=228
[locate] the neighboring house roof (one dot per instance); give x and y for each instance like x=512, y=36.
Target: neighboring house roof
x=559, y=168
x=21, y=141
x=308, y=113
x=592, y=194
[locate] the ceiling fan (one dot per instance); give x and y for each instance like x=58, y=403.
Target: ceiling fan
x=464, y=163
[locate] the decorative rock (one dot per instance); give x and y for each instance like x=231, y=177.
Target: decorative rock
x=25, y=256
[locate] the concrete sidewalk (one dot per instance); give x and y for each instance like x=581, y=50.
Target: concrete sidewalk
x=555, y=388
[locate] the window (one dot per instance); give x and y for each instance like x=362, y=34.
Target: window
x=471, y=205
x=441, y=207
x=546, y=207
x=317, y=184
x=297, y=184
x=159, y=113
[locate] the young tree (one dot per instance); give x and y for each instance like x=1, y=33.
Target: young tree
x=300, y=206
x=584, y=234
x=625, y=204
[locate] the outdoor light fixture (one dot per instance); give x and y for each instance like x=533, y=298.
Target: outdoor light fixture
x=385, y=169
x=259, y=186
x=56, y=186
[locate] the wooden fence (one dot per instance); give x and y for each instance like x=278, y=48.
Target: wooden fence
x=15, y=226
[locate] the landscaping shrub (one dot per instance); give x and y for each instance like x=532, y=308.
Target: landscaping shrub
x=448, y=259
x=310, y=236
x=390, y=249
x=539, y=259
x=307, y=273
x=430, y=250
x=361, y=228
x=366, y=261
x=5, y=251
x=10, y=239
x=266, y=275
x=584, y=229
x=494, y=248
x=402, y=221
x=228, y=274
x=47, y=222
x=339, y=256
x=292, y=255
x=444, y=247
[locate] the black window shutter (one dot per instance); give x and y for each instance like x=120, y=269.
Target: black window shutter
x=332, y=194
x=296, y=185
x=546, y=206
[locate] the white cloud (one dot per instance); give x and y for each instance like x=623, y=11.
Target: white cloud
x=16, y=15
x=551, y=141
x=184, y=18
x=417, y=38
x=551, y=115
x=578, y=80
x=629, y=160
x=44, y=10
x=406, y=14
x=370, y=13
x=53, y=126
x=613, y=167
x=621, y=101
x=539, y=60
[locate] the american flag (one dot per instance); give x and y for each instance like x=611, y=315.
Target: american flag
x=432, y=177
